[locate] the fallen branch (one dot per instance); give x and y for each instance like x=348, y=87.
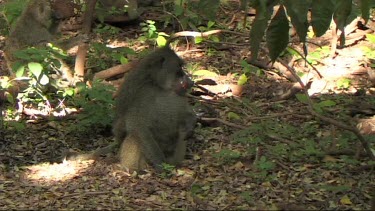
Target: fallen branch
x=116, y=70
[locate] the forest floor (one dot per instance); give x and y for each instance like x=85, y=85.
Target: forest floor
x=261, y=150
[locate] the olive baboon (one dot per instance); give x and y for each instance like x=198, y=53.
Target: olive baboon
x=32, y=27
x=153, y=117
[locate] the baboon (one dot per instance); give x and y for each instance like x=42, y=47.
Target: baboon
x=32, y=27
x=37, y=25
x=153, y=117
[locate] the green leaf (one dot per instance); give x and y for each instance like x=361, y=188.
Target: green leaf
x=302, y=98
x=317, y=108
x=343, y=9
x=297, y=10
x=343, y=83
x=242, y=79
x=278, y=34
x=327, y=103
x=178, y=10
x=210, y=24
x=35, y=68
x=161, y=41
x=232, y=115
x=9, y=97
x=123, y=60
x=209, y=8
x=264, y=10
x=256, y=34
x=198, y=40
x=69, y=92
x=321, y=16
x=371, y=38
x=20, y=71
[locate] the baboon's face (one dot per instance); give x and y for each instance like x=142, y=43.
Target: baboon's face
x=42, y=13
x=172, y=77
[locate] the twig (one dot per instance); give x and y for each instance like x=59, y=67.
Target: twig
x=349, y=127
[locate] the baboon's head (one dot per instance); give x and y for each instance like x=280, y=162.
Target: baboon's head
x=41, y=11
x=167, y=73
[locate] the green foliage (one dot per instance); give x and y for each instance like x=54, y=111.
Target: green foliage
x=189, y=14
x=227, y=156
x=321, y=17
x=297, y=11
x=264, y=165
x=277, y=34
x=106, y=30
x=370, y=51
x=342, y=11
x=318, y=107
x=150, y=33
x=39, y=67
x=198, y=189
x=103, y=57
x=316, y=56
x=97, y=107
x=168, y=170
x=302, y=141
x=343, y=83
x=264, y=170
x=264, y=10
x=103, y=12
x=248, y=196
x=15, y=125
x=11, y=10
x=212, y=37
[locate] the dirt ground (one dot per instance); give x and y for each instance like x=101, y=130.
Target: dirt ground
x=261, y=150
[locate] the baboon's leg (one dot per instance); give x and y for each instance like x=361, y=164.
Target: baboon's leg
x=131, y=156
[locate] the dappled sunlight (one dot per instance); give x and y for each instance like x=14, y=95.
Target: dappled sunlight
x=47, y=174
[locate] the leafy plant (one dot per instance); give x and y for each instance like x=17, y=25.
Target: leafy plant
x=150, y=33
x=264, y=165
x=264, y=170
x=37, y=67
x=189, y=15
x=11, y=10
x=168, y=170
x=315, y=56
x=276, y=30
x=318, y=107
x=226, y=155
x=106, y=30
x=247, y=69
x=97, y=107
x=213, y=37
x=343, y=83
x=103, y=57
x=102, y=12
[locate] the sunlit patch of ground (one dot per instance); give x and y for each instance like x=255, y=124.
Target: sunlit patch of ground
x=51, y=173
